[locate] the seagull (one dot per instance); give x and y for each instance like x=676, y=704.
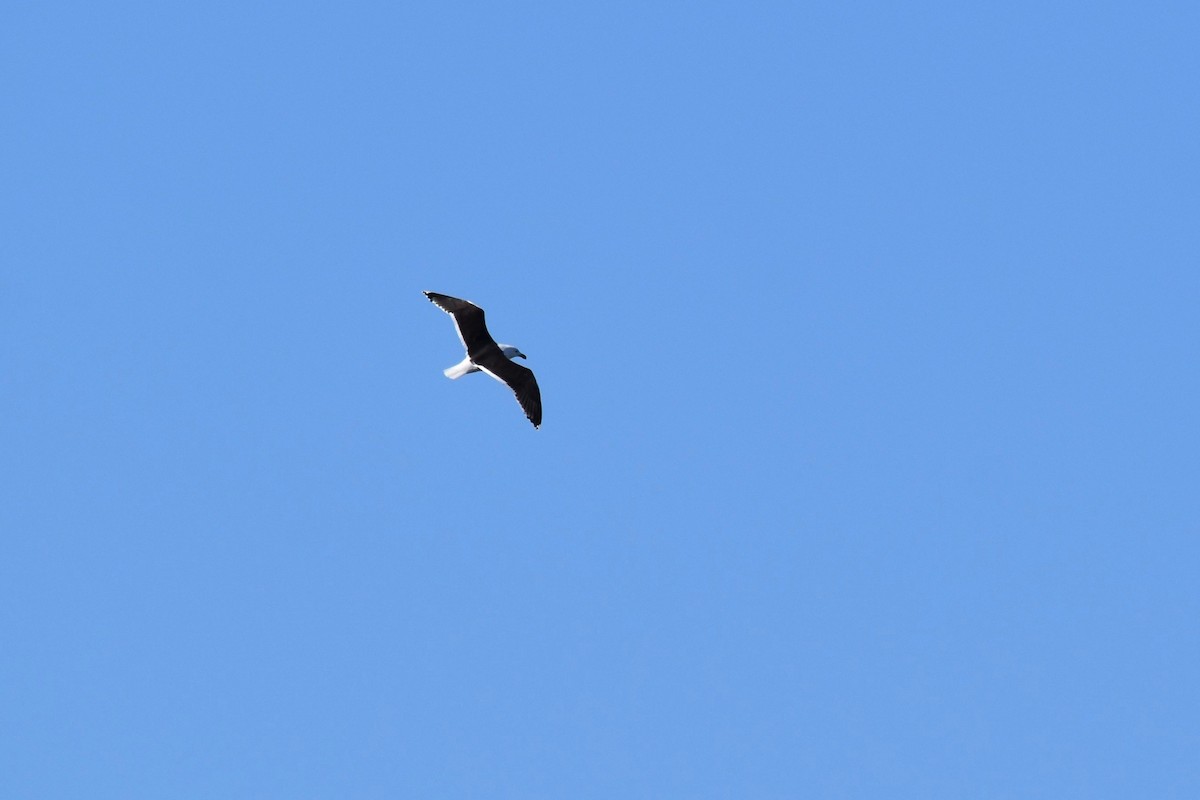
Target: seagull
x=483, y=354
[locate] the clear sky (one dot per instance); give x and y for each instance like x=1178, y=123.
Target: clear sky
x=867, y=336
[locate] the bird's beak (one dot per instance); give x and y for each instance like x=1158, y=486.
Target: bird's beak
x=522, y=355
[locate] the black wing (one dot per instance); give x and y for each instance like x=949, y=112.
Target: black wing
x=468, y=321
x=520, y=380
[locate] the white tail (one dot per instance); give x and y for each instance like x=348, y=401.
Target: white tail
x=461, y=368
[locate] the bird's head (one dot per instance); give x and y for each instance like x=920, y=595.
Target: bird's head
x=511, y=352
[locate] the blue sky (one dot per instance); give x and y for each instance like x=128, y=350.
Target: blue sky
x=867, y=339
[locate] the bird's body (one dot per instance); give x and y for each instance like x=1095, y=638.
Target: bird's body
x=466, y=366
x=485, y=355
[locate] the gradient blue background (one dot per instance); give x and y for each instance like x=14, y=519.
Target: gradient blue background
x=867, y=335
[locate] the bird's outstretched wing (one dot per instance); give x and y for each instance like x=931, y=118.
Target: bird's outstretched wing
x=518, y=378
x=468, y=321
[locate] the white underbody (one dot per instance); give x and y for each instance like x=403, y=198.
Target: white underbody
x=464, y=367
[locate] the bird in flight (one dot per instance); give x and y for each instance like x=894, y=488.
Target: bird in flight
x=483, y=354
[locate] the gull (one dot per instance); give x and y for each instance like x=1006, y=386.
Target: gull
x=484, y=354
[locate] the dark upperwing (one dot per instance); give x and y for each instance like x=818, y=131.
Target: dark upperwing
x=468, y=320
x=518, y=378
